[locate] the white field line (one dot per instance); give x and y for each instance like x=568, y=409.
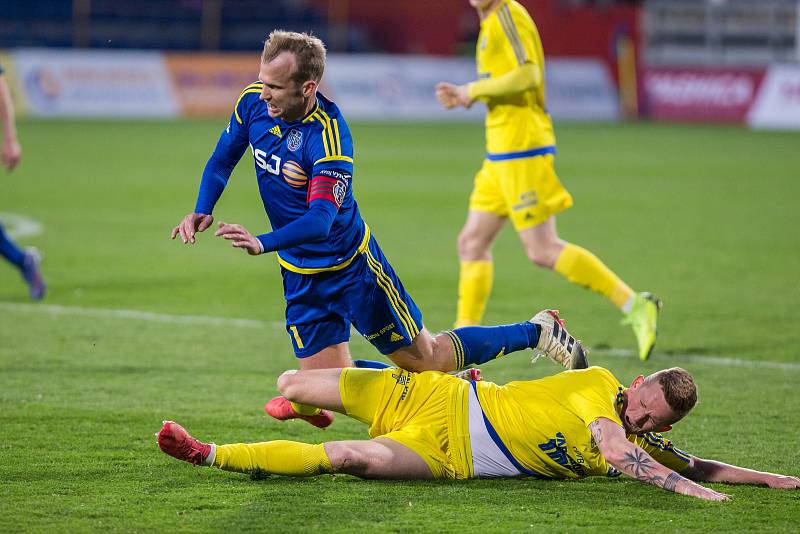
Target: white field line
x=54, y=309
x=707, y=359
x=20, y=225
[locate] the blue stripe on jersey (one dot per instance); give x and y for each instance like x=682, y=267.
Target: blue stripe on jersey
x=541, y=151
x=500, y=444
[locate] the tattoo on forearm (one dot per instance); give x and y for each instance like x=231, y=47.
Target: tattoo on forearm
x=639, y=464
x=672, y=481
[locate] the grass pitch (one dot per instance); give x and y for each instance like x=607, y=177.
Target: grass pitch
x=702, y=216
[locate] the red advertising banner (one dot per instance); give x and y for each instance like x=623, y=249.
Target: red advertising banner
x=208, y=84
x=701, y=95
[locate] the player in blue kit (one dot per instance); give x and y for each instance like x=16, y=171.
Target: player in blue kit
x=334, y=273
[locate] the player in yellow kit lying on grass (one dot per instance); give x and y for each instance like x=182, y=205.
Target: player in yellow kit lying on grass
x=433, y=425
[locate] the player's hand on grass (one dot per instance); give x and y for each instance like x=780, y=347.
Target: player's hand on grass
x=240, y=236
x=707, y=494
x=192, y=223
x=451, y=96
x=782, y=482
x=11, y=154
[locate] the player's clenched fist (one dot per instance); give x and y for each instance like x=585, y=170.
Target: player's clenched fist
x=191, y=224
x=451, y=96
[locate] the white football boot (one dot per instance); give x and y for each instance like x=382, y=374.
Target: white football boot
x=556, y=343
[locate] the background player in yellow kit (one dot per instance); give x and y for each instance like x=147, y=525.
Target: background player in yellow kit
x=518, y=180
x=433, y=425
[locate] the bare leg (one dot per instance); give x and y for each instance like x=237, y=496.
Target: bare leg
x=426, y=353
x=478, y=234
x=581, y=267
x=315, y=387
x=332, y=357
x=376, y=458
x=542, y=244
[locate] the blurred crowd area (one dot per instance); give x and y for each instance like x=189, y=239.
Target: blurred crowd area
x=418, y=26
x=710, y=60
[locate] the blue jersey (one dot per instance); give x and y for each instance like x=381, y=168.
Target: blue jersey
x=296, y=163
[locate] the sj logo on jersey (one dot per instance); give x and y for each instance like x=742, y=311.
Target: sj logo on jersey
x=294, y=139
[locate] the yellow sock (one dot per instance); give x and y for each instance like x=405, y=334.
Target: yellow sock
x=582, y=267
x=275, y=457
x=474, y=287
x=305, y=409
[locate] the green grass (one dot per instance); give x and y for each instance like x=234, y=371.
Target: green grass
x=703, y=216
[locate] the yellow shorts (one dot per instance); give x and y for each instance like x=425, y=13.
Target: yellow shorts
x=426, y=412
x=526, y=190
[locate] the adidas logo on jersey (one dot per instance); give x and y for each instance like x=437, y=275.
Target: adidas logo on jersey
x=276, y=130
x=395, y=337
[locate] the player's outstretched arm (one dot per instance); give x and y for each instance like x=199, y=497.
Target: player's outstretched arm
x=634, y=461
x=523, y=78
x=713, y=471
x=191, y=224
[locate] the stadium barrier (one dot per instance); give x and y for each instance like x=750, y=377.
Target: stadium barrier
x=128, y=84
x=91, y=83
x=760, y=98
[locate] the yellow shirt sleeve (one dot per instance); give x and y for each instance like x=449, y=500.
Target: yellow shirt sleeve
x=521, y=79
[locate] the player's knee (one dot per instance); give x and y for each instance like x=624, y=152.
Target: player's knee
x=443, y=353
x=470, y=246
x=543, y=256
x=289, y=384
x=345, y=458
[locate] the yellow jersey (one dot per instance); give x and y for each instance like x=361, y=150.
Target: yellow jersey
x=541, y=427
x=516, y=124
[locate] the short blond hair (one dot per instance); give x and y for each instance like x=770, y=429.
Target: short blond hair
x=678, y=387
x=309, y=52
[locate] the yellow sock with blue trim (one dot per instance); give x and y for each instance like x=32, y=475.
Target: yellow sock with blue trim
x=474, y=287
x=582, y=267
x=305, y=409
x=278, y=457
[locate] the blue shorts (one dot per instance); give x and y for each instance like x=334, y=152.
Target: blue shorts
x=367, y=294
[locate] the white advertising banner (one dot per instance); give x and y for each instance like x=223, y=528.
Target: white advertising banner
x=395, y=87
x=81, y=83
x=402, y=87
x=129, y=84
x=580, y=89
x=777, y=105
